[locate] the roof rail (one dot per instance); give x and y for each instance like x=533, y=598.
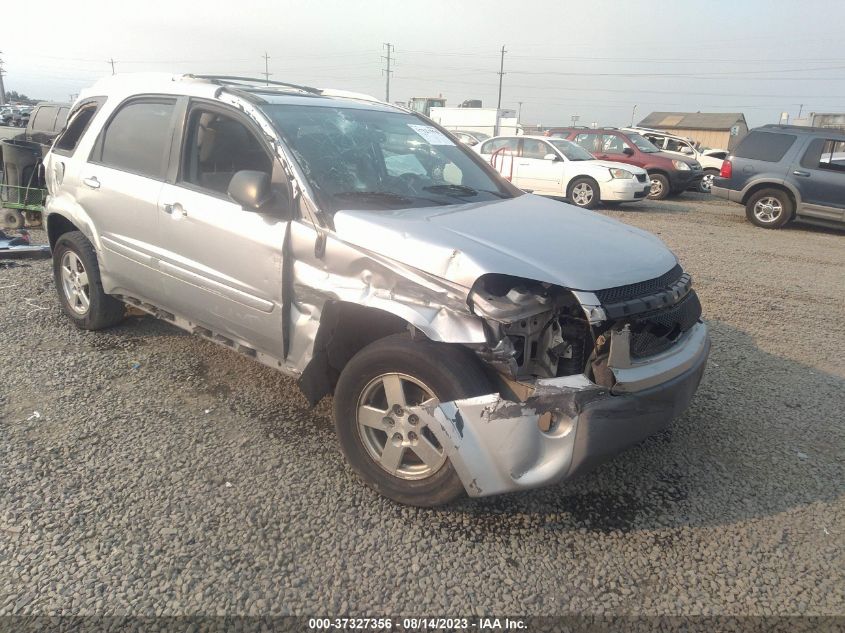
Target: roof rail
x=804, y=128
x=252, y=82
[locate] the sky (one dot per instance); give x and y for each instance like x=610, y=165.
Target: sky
x=604, y=61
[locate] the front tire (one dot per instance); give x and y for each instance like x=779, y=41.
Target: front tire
x=584, y=192
x=659, y=187
x=394, y=452
x=76, y=274
x=769, y=208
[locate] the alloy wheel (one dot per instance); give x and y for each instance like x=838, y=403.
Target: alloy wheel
x=706, y=183
x=75, y=283
x=656, y=188
x=396, y=439
x=768, y=209
x=582, y=194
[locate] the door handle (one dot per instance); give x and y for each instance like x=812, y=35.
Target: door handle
x=798, y=172
x=91, y=182
x=175, y=210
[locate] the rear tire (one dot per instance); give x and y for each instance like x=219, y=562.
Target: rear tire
x=769, y=208
x=76, y=274
x=584, y=192
x=395, y=456
x=659, y=187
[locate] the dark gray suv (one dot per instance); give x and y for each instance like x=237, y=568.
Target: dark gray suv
x=787, y=172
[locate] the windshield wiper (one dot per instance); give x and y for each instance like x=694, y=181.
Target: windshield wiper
x=460, y=190
x=382, y=196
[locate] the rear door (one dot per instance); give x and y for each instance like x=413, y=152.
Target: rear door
x=534, y=172
x=222, y=265
x=119, y=187
x=820, y=178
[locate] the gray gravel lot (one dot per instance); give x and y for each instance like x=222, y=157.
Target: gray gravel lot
x=166, y=475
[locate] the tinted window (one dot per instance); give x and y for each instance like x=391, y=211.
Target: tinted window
x=499, y=143
x=767, y=146
x=44, y=119
x=825, y=154
x=532, y=148
x=217, y=147
x=138, y=138
x=79, y=122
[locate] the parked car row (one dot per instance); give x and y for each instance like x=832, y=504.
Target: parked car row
x=15, y=116
x=560, y=168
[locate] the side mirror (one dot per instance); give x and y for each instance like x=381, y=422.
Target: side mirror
x=250, y=189
x=627, y=151
x=551, y=157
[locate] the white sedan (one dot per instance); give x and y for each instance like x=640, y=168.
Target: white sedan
x=556, y=167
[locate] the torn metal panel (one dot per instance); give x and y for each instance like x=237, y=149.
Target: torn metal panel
x=347, y=273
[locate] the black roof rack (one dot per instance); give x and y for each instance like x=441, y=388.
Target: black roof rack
x=252, y=82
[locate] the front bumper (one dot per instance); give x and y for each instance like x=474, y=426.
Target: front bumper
x=497, y=445
x=624, y=189
x=682, y=180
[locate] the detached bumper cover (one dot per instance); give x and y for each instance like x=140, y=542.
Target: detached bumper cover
x=497, y=446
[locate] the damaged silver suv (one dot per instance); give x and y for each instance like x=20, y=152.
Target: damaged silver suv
x=475, y=338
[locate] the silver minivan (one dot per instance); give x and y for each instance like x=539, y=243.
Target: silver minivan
x=475, y=338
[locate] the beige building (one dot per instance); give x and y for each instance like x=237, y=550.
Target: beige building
x=722, y=130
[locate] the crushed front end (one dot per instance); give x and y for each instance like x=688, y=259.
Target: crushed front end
x=581, y=376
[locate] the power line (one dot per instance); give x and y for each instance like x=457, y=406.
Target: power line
x=387, y=71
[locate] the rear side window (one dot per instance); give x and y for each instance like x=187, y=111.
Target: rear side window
x=825, y=154
x=44, y=119
x=532, y=148
x=137, y=139
x=588, y=141
x=765, y=146
x=68, y=140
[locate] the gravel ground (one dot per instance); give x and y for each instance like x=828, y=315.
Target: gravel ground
x=165, y=475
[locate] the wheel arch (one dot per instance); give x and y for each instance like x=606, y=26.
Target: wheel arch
x=753, y=188
x=58, y=225
x=345, y=329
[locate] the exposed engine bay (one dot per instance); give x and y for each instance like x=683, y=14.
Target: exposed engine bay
x=539, y=330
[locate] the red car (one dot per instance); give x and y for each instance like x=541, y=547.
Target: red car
x=669, y=173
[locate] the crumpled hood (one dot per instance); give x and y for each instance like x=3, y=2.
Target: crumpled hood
x=527, y=236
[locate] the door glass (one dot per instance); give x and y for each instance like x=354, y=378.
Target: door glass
x=137, y=139
x=217, y=147
x=491, y=146
x=588, y=142
x=613, y=144
x=532, y=148
x=833, y=156
x=674, y=145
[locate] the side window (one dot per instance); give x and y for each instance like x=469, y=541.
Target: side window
x=79, y=122
x=613, y=144
x=674, y=145
x=61, y=118
x=532, y=148
x=218, y=146
x=833, y=156
x=44, y=119
x=766, y=146
x=137, y=138
x=498, y=143
x=656, y=140
x=587, y=141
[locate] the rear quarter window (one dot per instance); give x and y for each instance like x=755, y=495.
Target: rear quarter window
x=77, y=126
x=765, y=146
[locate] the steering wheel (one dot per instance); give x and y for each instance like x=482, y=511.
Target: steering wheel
x=413, y=183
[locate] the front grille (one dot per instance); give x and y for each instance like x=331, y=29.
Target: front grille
x=657, y=331
x=642, y=177
x=641, y=288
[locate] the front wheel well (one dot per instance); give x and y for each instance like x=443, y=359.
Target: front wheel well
x=58, y=225
x=345, y=329
x=769, y=185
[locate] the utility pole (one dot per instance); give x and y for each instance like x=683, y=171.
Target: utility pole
x=111, y=61
x=2, y=87
x=389, y=47
x=266, y=72
x=501, y=74
x=633, y=112
x=800, y=108
x=519, y=111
